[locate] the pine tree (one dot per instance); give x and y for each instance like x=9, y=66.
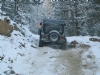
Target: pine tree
x=93, y=20
x=74, y=13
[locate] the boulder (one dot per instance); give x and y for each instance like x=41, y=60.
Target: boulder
x=73, y=44
x=6, y=28
x=94, y=39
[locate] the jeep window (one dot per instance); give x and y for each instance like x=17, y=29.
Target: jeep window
x=48, y=28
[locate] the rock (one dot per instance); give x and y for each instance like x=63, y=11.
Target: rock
x=9, y=72
x=6, y=28
x=73, y=44
x=2, y=57
x=94, y=39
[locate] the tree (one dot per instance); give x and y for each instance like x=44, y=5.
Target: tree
x=93, y=20
x=16, y=7
x=3, y=4
x=74, y=13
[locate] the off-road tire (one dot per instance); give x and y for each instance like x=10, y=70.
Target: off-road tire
x=54, y=33
x=64, y=45
x=41, y=43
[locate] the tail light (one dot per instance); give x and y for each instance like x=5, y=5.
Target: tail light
x=62, y=36
x=44, y=36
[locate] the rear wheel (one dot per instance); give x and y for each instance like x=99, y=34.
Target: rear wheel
x=64, y=45
x=40, y=43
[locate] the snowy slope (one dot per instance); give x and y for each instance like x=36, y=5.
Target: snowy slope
x=20, y=55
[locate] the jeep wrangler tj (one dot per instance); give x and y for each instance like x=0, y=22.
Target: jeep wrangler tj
x=52, y=32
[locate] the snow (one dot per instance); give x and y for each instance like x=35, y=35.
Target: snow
x=21, y=54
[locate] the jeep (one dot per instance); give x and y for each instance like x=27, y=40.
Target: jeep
x=52, y=32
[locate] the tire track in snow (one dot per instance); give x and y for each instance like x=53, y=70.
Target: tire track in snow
x=72, y=60
x=68, y=62
x=48, y=61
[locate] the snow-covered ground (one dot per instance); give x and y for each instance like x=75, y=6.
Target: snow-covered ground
x=19, y=55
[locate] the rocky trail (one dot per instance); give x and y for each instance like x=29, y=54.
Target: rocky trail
x=70, y=61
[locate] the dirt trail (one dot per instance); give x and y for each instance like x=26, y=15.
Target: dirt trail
x=72, y=60
x=68, y=62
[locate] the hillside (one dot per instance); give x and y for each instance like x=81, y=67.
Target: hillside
x=20, y=55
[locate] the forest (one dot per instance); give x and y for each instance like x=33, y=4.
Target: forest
x=22, y=52
x=81, y=16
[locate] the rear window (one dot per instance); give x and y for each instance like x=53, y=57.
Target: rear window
x=48, y=28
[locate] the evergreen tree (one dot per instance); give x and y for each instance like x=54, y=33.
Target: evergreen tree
x=74, y=13
x=93, y=20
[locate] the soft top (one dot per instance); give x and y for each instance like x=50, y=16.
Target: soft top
x=54, y=22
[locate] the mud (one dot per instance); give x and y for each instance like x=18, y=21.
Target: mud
x=70, y=61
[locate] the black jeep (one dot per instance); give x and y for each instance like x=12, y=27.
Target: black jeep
x=52, y=32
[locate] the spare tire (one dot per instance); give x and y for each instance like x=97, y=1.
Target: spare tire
x=54, y=36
